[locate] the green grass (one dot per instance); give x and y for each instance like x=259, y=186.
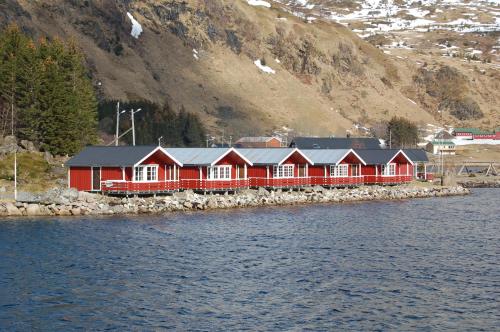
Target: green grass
x=33, y=172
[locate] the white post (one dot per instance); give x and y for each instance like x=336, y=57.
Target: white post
x=324, y=171
x=133, y=127
x=246, y=170
x=201, y=172
x=15, y=175
x=117, y=122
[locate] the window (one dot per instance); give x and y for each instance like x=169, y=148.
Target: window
x=219, y=172
x=340, y=171
x=356, y=170
x=139, y=175
x=151, y=173
x=283, y=171
x=389, y=170
x=147, y=173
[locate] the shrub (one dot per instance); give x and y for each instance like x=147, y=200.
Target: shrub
x=462, y=108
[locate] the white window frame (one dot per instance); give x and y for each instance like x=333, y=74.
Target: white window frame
x=356, y=167
x=142, y=170
x=286, y=171
x=389, y=169
x=339, y=171
x=219, y=173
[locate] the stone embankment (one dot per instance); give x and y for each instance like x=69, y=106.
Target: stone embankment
x=481, y=184
x=70, y=202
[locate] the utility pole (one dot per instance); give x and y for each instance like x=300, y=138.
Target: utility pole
x=390, y=139
x=207, y=139
x=132, y=112
x=15, y=175
x=117, y=136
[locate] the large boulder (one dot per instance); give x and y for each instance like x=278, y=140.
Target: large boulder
x=261, y=191
x=33, y=210
x=27, y=197
x=12, y=210
x=60, y=196
x=8, y=145
x=28, y=145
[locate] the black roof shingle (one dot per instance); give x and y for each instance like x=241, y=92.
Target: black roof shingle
x=335, y=143
x=110, y=155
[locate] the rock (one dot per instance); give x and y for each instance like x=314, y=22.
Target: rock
x=28, y=197
x=47, y=156
x=318, y=189
x=9, y=145
x=70, y=193
x=12, y=210
x=76, y=211
x=28, y=145
x=33, y=210
x=262, y=191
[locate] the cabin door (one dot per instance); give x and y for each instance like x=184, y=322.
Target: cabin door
x=302, y=171
x=241, y=172
x=96, y=178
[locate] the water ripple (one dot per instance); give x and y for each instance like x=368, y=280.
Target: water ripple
x=428, y=264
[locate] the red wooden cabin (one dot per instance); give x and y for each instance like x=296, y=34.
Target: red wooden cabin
x=386, y=167
x=335, y=168
x=277, y=167
x=212, y=169
x=124, y=170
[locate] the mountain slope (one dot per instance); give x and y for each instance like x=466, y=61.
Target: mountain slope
x=201, y=54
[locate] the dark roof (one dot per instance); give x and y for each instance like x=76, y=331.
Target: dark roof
x=335, y=143
x=110, y=155
x=376, y=156
x=416, y=154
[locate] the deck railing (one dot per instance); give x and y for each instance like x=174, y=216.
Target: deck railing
x=387, y=179
x=139, y=187
x=214, y=185
x=337, y=181
x=280, y=183
x=222, y=185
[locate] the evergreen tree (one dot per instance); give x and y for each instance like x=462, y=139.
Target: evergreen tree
x=402, y=132
x=47, y=88
x=13, y=53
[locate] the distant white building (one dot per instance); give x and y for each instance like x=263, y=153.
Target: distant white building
x=441, y=147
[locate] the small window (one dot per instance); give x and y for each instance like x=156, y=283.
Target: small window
x=283, y=171
x=339, y=171
x=151, y=173
x=219, y=172
x=147, y=173
x=389, y=170
x=139, y=175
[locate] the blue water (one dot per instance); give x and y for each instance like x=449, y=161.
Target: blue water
x=425, y=264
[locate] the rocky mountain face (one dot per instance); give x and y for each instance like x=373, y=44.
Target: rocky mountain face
x=248, y=69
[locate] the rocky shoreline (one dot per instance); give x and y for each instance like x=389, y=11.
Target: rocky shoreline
x=480, y=184
x=70, y=202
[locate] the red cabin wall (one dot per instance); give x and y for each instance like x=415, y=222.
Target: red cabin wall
x=80, y=178
x=257, y=171
x=317, y=171
x=189, y=173
x=111, y=173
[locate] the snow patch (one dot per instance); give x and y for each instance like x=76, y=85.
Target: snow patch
x=136, y=27
x=259, y=3
x=265, y=69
